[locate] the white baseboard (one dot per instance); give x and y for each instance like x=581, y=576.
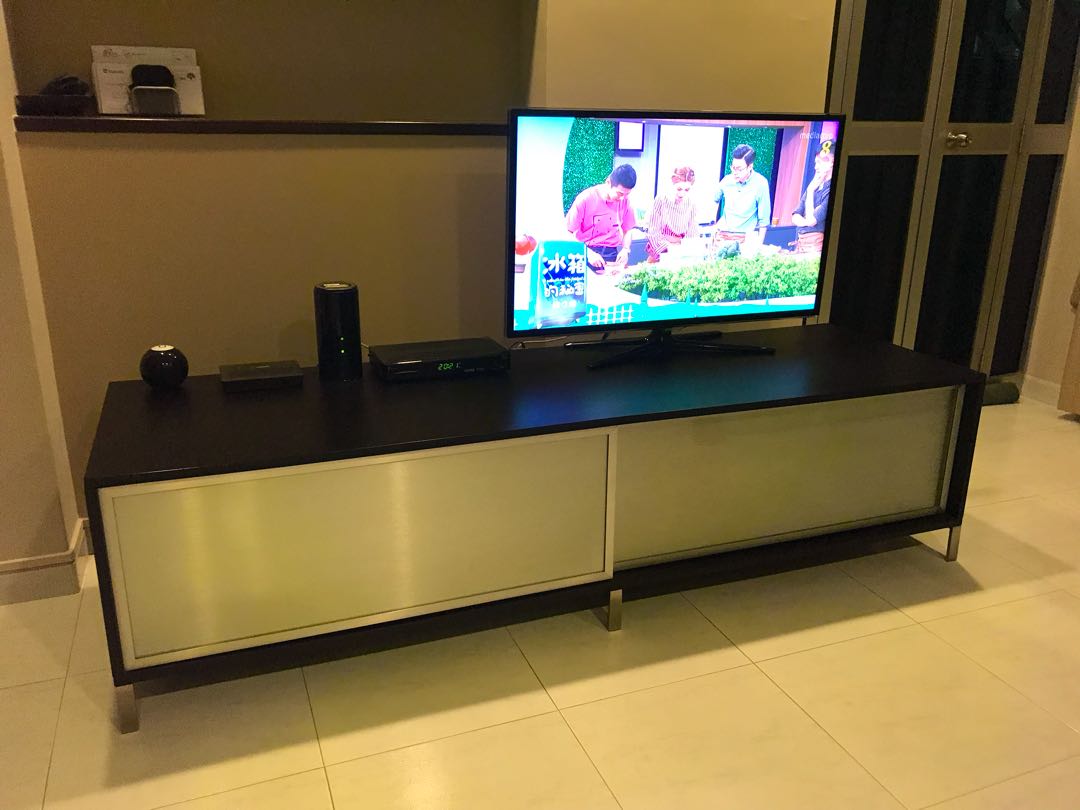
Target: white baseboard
x=1040, y=390
x=45, y=575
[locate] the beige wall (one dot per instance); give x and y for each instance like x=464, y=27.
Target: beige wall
x=689, y=54
x=33, y=522
x=441, y=60
x=1053, y=323
x=37, y=501
x=213, y=243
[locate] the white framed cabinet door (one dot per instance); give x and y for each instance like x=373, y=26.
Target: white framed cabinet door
x=217, y=563
x=687, y=487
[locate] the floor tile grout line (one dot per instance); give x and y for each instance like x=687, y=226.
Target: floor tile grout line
x=563, y=717
x=828, y=734
x=886, y=599
x=969, y=611
x=553, y=710
x=966, y=610
x=319, y=739
x=1041, y=492
x=745, y=663
x=820, y=646
x=230, y=790
x=911, y=623
x=33, y=683
x=998, y=554
x=311, y=711
x=1025, y=568
x=1004, y=682
x=719, y=630
x=840, y=567
x=329, y=789
x=999, y=782
x=63, y=693
x=876, y=593
x=639, y=690
x=828, y=644
x=588, y=756
x=529, y=664
x=968, y=505
x=52, y=748
x=1010, y=686
x=1011, y=434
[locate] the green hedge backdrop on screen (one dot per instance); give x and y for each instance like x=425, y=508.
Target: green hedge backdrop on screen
x=762, y=140
x=590, y=156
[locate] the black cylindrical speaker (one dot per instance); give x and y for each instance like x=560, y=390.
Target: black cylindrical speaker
x=337, y=330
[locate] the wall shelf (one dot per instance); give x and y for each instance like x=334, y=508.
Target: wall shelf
x=209, y=126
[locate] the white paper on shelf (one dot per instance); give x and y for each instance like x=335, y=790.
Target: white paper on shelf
x=143, y=55
x=112, y=80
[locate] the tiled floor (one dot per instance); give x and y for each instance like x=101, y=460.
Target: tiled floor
x=890, y=681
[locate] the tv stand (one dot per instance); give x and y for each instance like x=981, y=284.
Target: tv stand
x=661, y=343
x=226, y=544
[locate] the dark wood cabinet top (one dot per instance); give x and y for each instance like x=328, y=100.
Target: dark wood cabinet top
x=199, y=429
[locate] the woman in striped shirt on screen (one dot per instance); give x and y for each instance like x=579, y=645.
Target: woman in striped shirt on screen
x=673, y=217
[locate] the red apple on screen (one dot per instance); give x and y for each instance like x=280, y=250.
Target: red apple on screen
x=524, y=244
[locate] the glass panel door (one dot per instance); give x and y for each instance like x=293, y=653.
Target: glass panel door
x=988, y=67
x=894, y=85
x=891, y=68
x=1060, y=64
x=875, y=218
x=942, y=98
x=963, y=229
x=1025, y=261
x=1042, y=117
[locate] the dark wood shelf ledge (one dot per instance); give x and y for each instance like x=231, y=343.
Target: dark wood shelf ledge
x=211, y=126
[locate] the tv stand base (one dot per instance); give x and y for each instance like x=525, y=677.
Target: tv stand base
x=613, y=615
x=954, y=544
x=127, y=709
x=661, y=343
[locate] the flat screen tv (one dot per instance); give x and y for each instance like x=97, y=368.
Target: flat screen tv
x=650, y=220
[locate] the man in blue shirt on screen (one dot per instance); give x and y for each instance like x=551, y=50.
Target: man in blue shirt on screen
x=747, y=205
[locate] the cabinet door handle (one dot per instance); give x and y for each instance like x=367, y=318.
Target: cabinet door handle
x=957, y=140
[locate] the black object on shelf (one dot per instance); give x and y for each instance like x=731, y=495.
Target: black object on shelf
x=54, y=105
x=661, y=344
x=153, y=91
x=261, y=376
x=432, y=359
x=63, y=96
x=163, y=366
x=337, y=330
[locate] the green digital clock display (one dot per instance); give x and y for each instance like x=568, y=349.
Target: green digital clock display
x=447, y=366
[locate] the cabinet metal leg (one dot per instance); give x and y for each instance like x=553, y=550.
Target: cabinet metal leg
x=127, y=709
x=614, y=610
x=954, y=544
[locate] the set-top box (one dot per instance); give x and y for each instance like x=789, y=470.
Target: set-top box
x=439, y=358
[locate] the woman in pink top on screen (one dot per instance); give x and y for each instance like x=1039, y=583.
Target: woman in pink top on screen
x=673, y=217
x=602, y=218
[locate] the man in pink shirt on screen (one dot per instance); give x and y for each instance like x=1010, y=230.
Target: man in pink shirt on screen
x=602, y=218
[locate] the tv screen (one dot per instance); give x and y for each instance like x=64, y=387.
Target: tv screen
x=622, y=220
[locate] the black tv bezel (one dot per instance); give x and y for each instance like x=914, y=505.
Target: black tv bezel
x=511, y=210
